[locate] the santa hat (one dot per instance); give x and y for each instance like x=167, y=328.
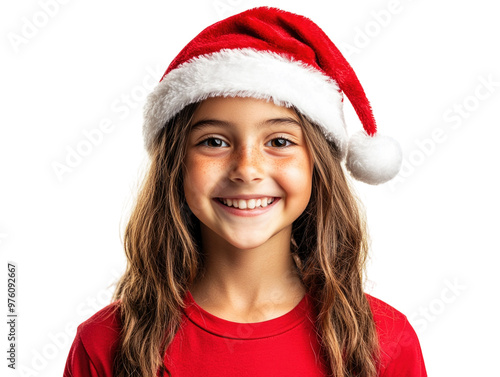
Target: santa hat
x=272, y=54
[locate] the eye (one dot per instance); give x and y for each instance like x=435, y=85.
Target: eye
x=213, y=142
x=281, y=142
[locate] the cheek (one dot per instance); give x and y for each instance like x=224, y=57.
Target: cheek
x=200, y=176
x=297, y=178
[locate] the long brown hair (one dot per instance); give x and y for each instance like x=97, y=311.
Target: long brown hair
x=161, y=241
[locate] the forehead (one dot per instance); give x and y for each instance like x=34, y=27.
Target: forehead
x=242, y=110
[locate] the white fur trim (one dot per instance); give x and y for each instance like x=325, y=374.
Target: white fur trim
x=373, y=159
x=248, y=73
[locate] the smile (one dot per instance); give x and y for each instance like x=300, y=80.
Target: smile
x=247, y=204
x=266, y=205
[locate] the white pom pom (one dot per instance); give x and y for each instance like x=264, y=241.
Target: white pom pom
x=373, y=160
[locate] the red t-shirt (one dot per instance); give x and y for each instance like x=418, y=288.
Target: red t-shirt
x=208, y=346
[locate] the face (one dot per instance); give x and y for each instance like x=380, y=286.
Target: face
x=248, y=171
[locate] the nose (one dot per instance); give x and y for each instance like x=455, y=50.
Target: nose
x=247, y=165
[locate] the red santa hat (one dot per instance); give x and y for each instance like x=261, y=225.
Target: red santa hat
x=272, y=54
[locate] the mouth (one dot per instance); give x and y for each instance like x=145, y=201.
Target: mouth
x=247, y=204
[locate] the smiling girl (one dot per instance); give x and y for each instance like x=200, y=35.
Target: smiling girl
x=246, y=247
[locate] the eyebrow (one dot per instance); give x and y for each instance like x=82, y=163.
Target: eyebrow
x=203, y=123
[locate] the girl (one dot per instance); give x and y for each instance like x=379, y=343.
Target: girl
x=246, y=247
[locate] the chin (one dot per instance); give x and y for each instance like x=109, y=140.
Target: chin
x=246, y=244
x=246, y=241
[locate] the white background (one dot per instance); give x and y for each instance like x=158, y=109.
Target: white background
x=434, y=229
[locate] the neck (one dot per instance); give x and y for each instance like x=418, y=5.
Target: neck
x=243, y=280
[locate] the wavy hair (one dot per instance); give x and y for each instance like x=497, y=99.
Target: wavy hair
x=162, y=238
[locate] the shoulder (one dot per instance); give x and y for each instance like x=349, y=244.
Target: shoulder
x=400, y=352
x=95, y=344
x=389, y=321
x=104, y=325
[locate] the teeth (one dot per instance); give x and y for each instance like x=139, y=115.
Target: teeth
x=250, y=204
